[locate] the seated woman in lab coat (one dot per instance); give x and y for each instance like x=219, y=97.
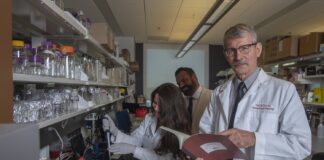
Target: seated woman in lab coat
x=148, y=141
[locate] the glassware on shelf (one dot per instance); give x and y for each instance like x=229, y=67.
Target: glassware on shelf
x=49, y=59
x=35, y=62
x=92, y=69
x=60, y=64
x=98, y=70
x=86, y=66
x=91, y=91
x=320, y=127
x=17, y=113
x=34, y=106
x=85, y=21
x=75, y=99
x=111, y=75
x=68, y=52
x=18, y=56
x=67, y=94
x=104, y=75
x=97, y=96
x=77, y=65
x=58, y=103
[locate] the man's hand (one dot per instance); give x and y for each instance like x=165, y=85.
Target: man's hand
x=241, y=138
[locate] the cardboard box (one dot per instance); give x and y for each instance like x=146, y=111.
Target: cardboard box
x=271, y=49
x=310, y=44
x=261, y=59
x=104, y=35
x=287, y=47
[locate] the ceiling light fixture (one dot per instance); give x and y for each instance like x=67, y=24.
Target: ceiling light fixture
x=217, y=11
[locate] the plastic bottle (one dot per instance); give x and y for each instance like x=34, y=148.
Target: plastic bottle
x=18, y=56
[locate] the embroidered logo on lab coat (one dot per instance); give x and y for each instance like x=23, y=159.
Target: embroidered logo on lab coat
x=263, y=107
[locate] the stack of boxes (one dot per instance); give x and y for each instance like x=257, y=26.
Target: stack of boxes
x=285, y=47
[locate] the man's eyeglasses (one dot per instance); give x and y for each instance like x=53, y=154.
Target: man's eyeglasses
x=244, y=49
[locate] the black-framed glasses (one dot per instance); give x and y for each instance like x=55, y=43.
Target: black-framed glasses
x=244, y=49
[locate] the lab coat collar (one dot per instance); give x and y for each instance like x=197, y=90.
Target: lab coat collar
x=225, y=89
x=224, y=94
x=153, y=125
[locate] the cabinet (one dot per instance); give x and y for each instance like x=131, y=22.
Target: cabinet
x=38, y=20
x=6, y=86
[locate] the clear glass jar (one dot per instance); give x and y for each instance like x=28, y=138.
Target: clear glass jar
x=18, y=56
x=77, y=66
x=75, y=99
x=49, y=59
x=28, y=53
x=35, y=62
x=68, y=52
x=92, y=69
x=60, y=65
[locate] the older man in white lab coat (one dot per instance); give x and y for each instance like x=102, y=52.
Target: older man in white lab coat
x=260, y=114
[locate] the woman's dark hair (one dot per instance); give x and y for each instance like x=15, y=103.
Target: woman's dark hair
x=172, y=114
x=154, y=92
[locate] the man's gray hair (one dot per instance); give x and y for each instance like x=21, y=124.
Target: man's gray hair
x=238, y=31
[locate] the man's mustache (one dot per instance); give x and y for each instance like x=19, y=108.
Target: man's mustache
x=239, y=63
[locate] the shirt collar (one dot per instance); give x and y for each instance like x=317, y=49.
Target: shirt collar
x=197, y=93
x=249, y=81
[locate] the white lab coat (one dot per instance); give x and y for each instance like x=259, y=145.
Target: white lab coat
x=271, y=109
x=146, y=140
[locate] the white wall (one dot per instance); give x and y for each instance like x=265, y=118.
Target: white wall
x=160, y=64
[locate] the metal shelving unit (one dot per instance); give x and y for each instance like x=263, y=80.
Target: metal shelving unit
x=314, y=77
x=45, y=20
x=55, y=23
x=61, y=118
x=312, y=104
x=297, y=59
x=43, y=79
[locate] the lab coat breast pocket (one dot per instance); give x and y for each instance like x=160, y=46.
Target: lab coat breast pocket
x=264, y=118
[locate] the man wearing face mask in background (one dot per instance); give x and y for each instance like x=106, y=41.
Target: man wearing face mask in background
x=197, y=97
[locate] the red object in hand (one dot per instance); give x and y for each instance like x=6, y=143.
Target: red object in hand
x=140, y=112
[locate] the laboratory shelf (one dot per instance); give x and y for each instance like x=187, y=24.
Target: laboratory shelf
x=314, y=76
x=66, y=17
x=43, y=79
x=61, y=118
x=43, y=18
x=104, y=52
x=311, y=57
x=313, y=104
